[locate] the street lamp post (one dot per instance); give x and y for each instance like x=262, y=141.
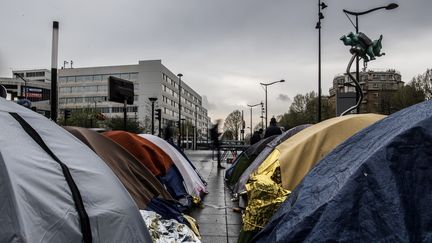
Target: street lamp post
x=356, y=26
x=251, y=106
x=152, y=100
x=179, y=105
x=266, y=103
x=321, y=6
x=25, y=84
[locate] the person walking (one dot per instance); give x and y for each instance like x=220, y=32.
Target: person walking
x=256, y=137
x=272, y=129
x=214, y=134
x=169, y=133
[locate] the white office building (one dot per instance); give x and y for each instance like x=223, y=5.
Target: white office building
x=88, y=88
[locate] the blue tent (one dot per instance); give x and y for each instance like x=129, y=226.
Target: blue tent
x=375, y=187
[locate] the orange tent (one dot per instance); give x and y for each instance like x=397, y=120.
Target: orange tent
x=154, y=158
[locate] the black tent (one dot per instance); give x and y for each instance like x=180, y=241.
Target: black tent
x=375, y=187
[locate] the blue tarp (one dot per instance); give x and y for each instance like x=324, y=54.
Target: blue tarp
x=167, y=209
x=174, y=184
x=374, y=187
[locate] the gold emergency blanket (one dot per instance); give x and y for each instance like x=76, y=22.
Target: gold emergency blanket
x=264, y=195
x=286, y=166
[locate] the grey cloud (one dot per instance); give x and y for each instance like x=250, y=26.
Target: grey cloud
x=284, y=98
x=209, y=106
x=216, y=43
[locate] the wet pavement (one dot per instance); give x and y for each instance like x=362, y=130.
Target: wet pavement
x=217, y=220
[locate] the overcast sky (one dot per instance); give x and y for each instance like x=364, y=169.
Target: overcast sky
x=224, y=48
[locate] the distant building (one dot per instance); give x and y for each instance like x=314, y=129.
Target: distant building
x=33, y=85
x=377, y=87
x=87, y=87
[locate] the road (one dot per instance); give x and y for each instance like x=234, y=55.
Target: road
x=217, y=221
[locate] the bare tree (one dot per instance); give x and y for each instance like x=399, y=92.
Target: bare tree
x=233, y=123
x=424, y=82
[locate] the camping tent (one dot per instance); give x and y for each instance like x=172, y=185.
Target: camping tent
x=147, y=192
x=138, y=180
x=53, y=188
x=159, y=163
x=244, y=160
x=240, y=185
x=194, y=185
x=375, y=187
x=283, y=169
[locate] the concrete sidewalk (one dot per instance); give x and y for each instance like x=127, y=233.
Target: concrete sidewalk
x=217, y=221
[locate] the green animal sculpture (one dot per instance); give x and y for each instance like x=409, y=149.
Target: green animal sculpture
x=363, y=46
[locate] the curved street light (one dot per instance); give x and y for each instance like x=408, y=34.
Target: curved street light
x=251, y=106
x=265, y=89
x=356, y=14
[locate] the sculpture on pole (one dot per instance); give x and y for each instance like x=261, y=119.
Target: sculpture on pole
x=361, y=46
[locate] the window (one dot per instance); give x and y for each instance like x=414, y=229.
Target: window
x=35, y=74
x=102, y=88
x=88, y=78
x=70, y=79
x=62, y=79
x=134, y=76
x=97, y=77
x=125, y=76
x=80, y=79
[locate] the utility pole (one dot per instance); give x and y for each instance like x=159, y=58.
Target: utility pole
x=54, y=61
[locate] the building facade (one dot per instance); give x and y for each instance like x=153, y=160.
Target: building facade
x=377, y=87
x=88, y=88
x=33, y=85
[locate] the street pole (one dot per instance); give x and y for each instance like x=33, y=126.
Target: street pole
x=266, y=106
x=54, y=61
x=251, y=106
x=321, y=5
x=152, y=100
x=319, y=62
x=196, y=124
x=262, y=116
x=357, y=69
x=179, y=105
x=251, y=120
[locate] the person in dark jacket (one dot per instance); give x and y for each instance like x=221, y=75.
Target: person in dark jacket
x=272, y=129
x=168, y=132
x=214, y=134
x=256, y=137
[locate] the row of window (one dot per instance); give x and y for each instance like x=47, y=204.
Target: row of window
x=175, y=85
x=80, y=89
x=78, y=100
x=98, y=78
x=91, y=99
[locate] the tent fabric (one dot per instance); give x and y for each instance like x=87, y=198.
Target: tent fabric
x=145, y=151
x=293, y=158
x=375, y=187
x=174, y=183
x=159, y=162
x=137, y=178
x=240, y=186
x=300, y=153
x=194, y=185
x=243, y=163
x=36, y=203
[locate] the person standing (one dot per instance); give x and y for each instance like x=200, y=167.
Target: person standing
x=272, y=129
x=214, y=134
x=256, y=137
x=168, y=133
